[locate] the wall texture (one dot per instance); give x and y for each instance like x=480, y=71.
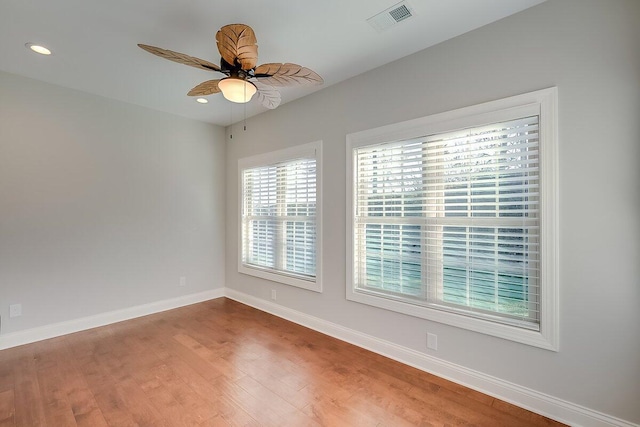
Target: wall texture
x=590, y=50
x=103, y=205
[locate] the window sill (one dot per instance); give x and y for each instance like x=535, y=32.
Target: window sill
x=310, y=285
x=545, y=339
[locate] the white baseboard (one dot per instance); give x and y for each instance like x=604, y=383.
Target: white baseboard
x=55, y=330
x=540, y=403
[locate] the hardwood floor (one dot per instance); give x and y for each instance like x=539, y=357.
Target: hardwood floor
x=222, y=363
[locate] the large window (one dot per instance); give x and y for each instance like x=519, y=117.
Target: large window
x=279, y=227
x=448, y=220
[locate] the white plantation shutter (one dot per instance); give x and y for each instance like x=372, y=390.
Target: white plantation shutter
x=279, y=218
x=452, y=221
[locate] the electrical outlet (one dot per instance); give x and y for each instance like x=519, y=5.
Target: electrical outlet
x=183, y=281
x=273, y=294
x=15, y=310
x=432, y=341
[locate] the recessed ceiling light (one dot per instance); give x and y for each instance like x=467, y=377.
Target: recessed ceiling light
x=38, y=49
x=202, y=100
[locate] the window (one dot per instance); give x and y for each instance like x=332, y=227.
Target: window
x=453, y=218
x=280, y=216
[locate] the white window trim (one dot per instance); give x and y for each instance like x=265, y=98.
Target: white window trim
x=309, y=150
x=542, y=102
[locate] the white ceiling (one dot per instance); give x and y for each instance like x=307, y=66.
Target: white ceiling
x=94, y=42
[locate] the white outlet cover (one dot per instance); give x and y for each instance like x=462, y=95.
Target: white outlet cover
x=432, y=341
x=15, y=310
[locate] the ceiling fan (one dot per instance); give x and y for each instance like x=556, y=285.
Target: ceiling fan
x=238, y=48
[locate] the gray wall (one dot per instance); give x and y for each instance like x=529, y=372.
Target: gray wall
x=103, y=205
x=590, y=50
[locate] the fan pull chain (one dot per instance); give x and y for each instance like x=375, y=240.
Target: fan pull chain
x=245, y=107
x=231, y=126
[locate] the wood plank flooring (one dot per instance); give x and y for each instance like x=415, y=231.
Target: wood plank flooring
x=221, y=363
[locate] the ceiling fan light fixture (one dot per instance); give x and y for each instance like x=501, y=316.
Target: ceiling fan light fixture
x=244, y=78
x=237, y=90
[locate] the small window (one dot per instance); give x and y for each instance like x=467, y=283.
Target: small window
x=453, y=218
x=280, y=216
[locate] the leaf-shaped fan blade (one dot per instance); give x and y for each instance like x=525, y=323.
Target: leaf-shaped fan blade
x=267, y=95
x=180, y=58
x=237, y=44
x=287, y=75
x=205, y=88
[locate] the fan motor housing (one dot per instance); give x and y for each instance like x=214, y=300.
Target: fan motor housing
x=235, y=70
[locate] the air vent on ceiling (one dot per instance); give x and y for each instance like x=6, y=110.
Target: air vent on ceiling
x=388, y=18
